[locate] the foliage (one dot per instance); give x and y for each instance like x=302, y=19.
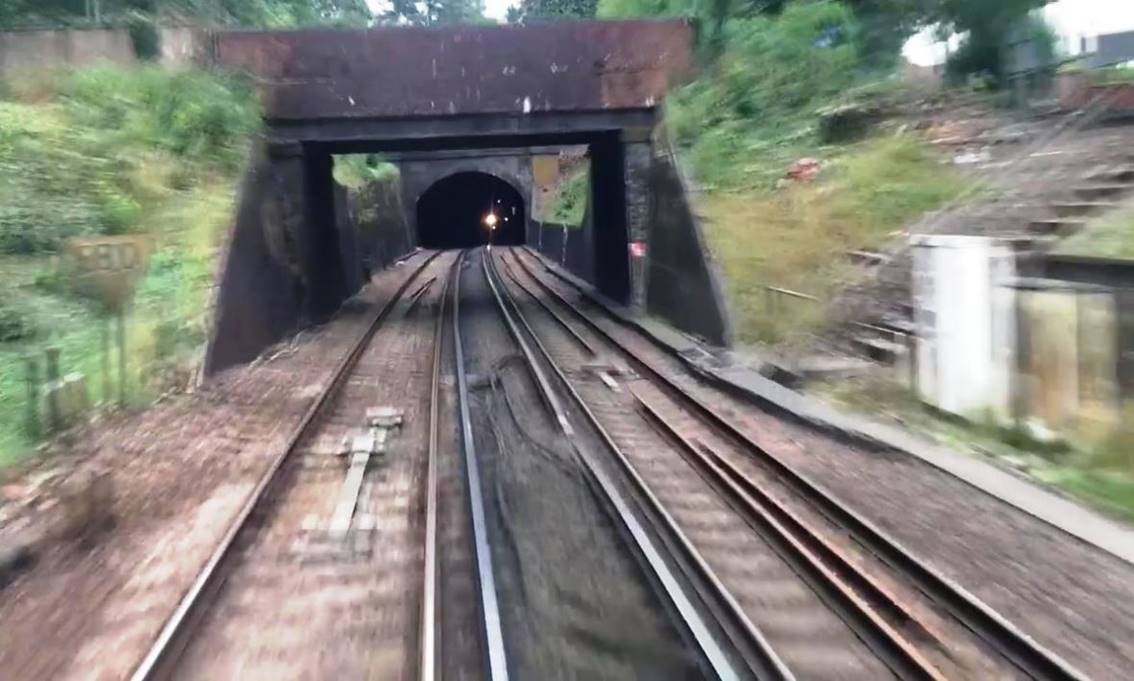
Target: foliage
x=434, y=12
x=986, y=26
x=569, y=206
x=144, y=37
x=83, y=162
x=544, y=9
x=106, y=150
x=355, y=171
x=1112, y=75
x=261, y=13
x=612, y=9
x=1110, y=235
x=16, y=321
x=756, y=105
x=794, y=237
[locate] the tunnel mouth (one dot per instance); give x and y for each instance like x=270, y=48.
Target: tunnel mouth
x=470, y=209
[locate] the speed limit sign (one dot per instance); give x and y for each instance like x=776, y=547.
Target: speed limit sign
x=107, y=268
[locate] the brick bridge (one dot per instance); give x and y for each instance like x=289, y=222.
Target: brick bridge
x=476, y=92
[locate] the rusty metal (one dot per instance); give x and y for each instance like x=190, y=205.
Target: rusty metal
x=388, y=72
x=844, y=587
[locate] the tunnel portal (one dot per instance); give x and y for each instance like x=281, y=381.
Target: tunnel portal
x=469, y=209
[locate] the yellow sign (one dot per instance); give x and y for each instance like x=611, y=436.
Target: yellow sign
x=106, y=268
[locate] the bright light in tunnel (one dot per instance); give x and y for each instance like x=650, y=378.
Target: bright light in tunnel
x=490, y=220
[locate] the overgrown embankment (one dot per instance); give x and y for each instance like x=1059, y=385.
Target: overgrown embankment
x=112, y=151
x=785, y=88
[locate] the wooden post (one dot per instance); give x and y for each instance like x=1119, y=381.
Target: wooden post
x=33, y=396
x=54, y=417
x=122, y=356
x=107, y=389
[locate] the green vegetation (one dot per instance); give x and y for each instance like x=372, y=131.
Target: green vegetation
x=141, y=13
x=106, y=151
x=755, y=110
x=545, y=9
x=1108, y=236
x=1113, y=75
x=797, y=237
x=355, y=171
x=569, y=206
x=1100, y=474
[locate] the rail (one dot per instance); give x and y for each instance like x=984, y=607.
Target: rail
x=1023, y=652
x=492, y=631
x=757, y=652
x=173, y=637
x=429, y=643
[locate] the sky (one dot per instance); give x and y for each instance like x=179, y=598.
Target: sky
x=1072, y=19
x=498, y=9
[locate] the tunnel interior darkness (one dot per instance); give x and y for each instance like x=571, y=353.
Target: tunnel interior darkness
x=470, y=209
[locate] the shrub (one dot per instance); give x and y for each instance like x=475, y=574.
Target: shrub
x=197, y=116
x=15, y=323
x=84, y=161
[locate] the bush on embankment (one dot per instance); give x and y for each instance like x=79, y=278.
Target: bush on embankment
x=753, y=110
x=110, y=151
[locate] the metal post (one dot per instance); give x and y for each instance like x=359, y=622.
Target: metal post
x=33, y=396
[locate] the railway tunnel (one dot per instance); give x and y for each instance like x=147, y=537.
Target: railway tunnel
x=470, y=209
x=472, y=91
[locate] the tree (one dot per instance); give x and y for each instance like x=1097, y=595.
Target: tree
x=987, y=27
x=434, y=12
x=250, y=13
x=548, y=9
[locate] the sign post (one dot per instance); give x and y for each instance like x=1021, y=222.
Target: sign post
x=106, y=268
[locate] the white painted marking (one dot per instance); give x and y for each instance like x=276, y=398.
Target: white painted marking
x=610, y=382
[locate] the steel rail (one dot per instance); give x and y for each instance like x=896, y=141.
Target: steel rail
x=583, y=342
x=497, y=659
x=173, y=637
x=430, y=635
x=1017, y=647
x=802, y=549
x=764, y=661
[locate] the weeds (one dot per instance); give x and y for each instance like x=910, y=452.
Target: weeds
x=110, y=151
x=1108, y=236
x=797, y=237
x=569, y=205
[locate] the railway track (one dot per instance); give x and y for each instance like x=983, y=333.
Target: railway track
x=434, y=523
x=329, y=574
x=916, y=622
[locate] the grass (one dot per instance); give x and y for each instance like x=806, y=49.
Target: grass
x=1101, y=474
x=797, y=237
x=569, y=205
x=166, y=325
x=105, y=151
x=1108, y=236
x=1113, y=75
